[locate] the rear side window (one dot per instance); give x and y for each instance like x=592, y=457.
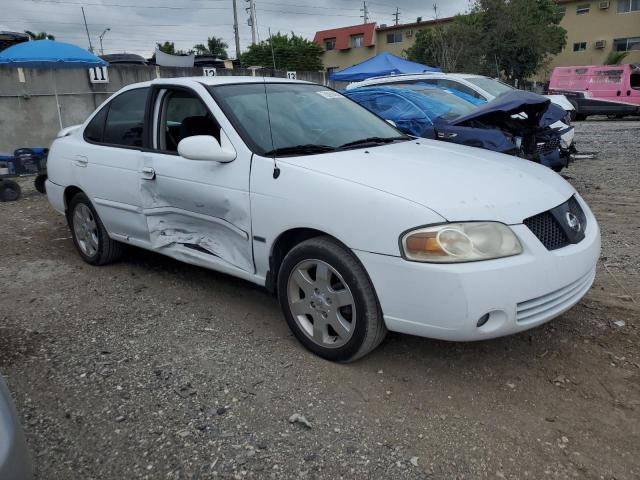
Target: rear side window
x=125, y=119
x=94, y=130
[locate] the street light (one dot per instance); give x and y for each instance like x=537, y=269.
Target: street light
x=102, y=35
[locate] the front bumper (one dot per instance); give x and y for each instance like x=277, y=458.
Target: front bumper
x=520, y=292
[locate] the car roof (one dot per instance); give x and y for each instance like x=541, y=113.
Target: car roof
x=210, y=81
x=413, y=76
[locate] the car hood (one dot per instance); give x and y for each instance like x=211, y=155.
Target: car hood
x=506, y=105
x=457, y=182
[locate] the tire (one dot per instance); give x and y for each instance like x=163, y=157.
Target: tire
x=338, y=316
x=40, y=183
x=580, y=117
x=89, y=235
x=10, y=191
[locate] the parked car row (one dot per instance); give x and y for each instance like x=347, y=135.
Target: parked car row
x=355, y=226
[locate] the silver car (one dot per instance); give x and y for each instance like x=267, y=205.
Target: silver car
x=15, y=463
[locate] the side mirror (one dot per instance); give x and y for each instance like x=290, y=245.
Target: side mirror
x=207, y=148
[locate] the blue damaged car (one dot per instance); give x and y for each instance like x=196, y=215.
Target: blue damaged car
x=517, y=123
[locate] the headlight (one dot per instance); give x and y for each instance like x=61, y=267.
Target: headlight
x=460, y=242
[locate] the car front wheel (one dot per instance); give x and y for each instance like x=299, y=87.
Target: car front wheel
x=329, y=301
x=89, y=235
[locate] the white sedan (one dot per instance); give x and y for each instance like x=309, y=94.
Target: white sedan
x=357, y=228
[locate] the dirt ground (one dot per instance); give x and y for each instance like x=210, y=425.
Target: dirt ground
x=155, y=369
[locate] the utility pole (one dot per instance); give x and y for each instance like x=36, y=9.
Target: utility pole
x=252, y=20
x=235, y=29
x=396, y=16
x=365, y=12
x=101, y=36
x=87, y=29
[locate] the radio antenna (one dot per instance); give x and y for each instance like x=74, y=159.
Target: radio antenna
x=276, y=169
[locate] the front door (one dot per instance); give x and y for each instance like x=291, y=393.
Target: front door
x=194, y=209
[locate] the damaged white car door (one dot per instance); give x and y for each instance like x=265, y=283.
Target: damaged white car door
x=194, y=185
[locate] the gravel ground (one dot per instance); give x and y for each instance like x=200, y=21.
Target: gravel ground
x=155, y=369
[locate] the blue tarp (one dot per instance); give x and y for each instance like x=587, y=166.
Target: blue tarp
x=382, y=64
x=49, y=54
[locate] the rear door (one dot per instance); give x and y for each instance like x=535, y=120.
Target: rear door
x=108, y=167
x=195, y=210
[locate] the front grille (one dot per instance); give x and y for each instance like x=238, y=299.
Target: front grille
x=557, y=228
x=549, y=146
x=548, y=230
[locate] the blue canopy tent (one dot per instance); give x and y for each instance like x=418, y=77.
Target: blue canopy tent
x=382, y=64
x=51, y=55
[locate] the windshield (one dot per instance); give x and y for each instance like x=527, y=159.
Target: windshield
x=457, y=106
x=490, y=85
x=305, y=119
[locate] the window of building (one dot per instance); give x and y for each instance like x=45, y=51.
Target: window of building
x=626, y=44
x=583, y=9
x=394, y=37
x=579, y=46
x=329, y=43
x=626, y=6
x=357, y=41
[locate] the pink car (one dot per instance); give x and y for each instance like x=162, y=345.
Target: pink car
x=612, y=90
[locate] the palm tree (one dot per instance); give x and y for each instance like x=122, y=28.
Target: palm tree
x=39, y=35
x=615, y=58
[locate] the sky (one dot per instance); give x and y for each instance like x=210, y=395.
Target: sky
x=136, y=25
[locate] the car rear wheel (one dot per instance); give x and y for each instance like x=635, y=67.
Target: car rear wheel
x=89, y=235
x=329, y=301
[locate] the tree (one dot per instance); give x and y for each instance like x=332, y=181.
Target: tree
x=510, y=38
x=216, y=46
x=447, y=45
x=39, y=35
x=289, y=53
x=615, y=58
x=167, y=47
x=519, y=36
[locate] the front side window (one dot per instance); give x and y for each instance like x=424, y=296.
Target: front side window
x=125, y=119
x=304, y=119
x=626, y=6
x=357, y=41
x=583, y=9
x=394, y=37
x=579, y=46
x=183, y=115
x=330, y=44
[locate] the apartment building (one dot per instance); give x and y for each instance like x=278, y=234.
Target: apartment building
x=596, y=28
x=351, y=45
x=593, y=30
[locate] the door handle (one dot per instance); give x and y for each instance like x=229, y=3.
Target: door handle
x=148, y=173
x=80, y=161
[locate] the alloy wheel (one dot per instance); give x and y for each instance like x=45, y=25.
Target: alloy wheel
x=321, y=303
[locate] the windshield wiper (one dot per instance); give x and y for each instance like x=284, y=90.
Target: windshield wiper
x=371, y=141
x=295, y=149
